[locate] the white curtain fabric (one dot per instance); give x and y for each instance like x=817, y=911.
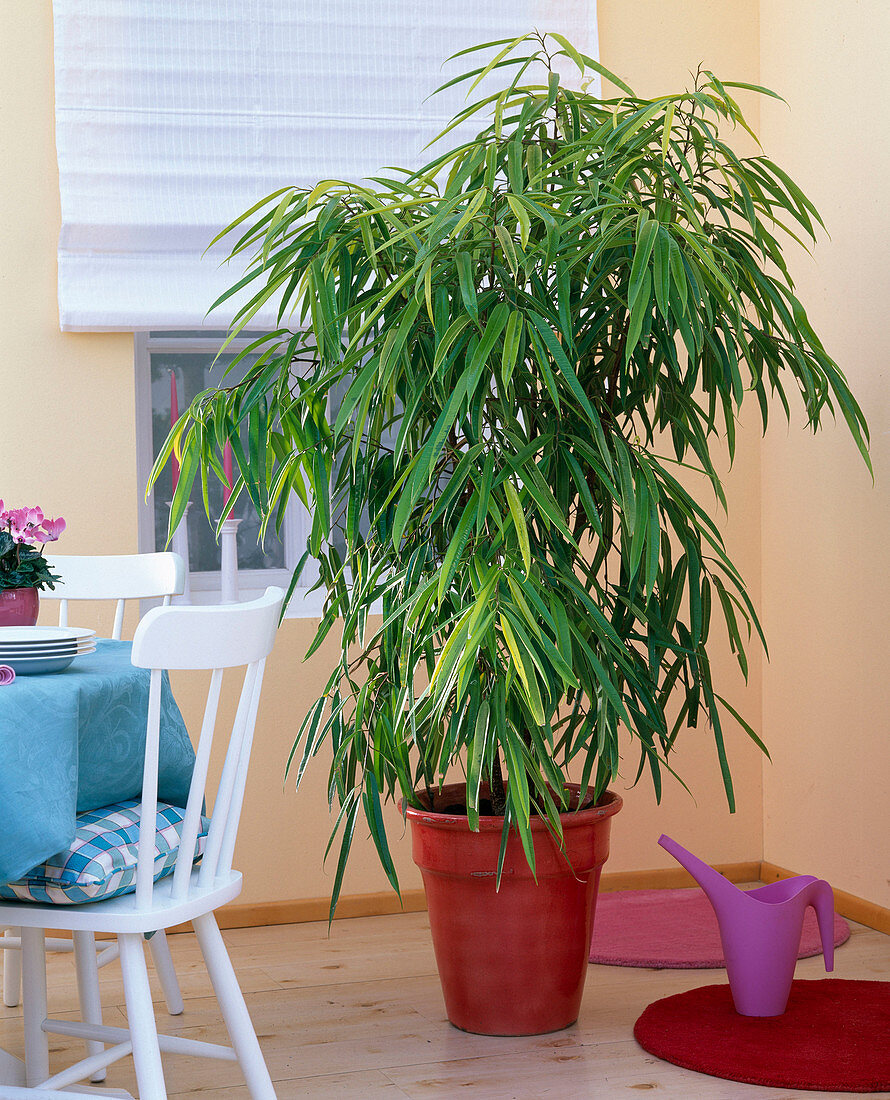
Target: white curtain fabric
x=173, y=117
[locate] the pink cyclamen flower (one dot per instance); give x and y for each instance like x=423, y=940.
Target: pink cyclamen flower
x=50, y=530
x=23, y=522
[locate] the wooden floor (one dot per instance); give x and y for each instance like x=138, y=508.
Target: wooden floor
x=358, y=1015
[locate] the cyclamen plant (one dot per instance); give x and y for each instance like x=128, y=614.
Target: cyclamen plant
x=23, y=534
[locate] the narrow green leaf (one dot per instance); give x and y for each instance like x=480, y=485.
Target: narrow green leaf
x=510, y=351
x=457, y=545
x=509, y=249
x=467, y=287
x=519, y=523
x=565, y=367
x=521, y=215
x=474, y=763
x=647, y=234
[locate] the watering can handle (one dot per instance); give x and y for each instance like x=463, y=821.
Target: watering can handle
x=822, y=900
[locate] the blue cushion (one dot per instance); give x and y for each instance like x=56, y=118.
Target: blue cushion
x=101, y=860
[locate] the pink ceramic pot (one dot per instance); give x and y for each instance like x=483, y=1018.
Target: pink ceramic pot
x=19, y=606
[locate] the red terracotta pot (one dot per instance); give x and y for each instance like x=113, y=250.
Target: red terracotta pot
x=19, y=606
x=511, y=961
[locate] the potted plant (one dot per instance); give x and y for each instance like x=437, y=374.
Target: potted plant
x=23, y=568
x=528, y=350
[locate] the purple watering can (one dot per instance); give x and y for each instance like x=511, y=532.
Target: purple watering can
x=760, y=931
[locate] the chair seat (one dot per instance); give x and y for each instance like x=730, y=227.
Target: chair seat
x=121, y=914
x=100, y=862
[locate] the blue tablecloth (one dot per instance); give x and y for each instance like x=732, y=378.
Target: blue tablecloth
x=75, y=740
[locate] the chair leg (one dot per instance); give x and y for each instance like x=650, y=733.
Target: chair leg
x=234, y=1010
x=88, y=990
x=160, y=954
x=34, y=1000
x=141, y=1018
x=12, y=972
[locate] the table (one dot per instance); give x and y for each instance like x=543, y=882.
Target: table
x=75, y=740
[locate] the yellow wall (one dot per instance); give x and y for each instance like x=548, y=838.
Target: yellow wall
x=826, y=598
x=68, y=443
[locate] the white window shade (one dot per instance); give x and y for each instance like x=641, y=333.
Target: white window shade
x=173, y=118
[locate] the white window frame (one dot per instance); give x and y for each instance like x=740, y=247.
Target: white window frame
x=205, y=586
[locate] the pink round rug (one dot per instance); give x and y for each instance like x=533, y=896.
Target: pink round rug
x=674, y=930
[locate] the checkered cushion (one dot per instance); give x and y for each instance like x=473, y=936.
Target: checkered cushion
x=101, y=861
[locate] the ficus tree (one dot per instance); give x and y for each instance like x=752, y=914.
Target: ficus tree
x=487, y=381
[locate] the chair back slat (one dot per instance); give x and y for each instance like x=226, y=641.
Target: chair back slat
x=192, y=823
x=148, y=810
x=228, y=780
x=234, y=766
x=227, y=852
x=118, y=577
x=117, y=629
x=216, y=638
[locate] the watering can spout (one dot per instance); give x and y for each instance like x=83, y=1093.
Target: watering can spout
x=720, y=890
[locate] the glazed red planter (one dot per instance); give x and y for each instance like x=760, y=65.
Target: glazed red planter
x=19, y=606
x=511, y=961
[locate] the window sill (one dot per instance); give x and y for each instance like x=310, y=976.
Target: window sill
x=303, y=605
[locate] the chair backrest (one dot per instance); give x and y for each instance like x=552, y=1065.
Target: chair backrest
x=216, y=637
x=118, y=577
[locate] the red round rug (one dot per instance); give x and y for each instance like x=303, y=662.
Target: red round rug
x=674, y=930
x=833, y=1037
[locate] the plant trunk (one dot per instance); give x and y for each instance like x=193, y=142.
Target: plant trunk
x=498, y=794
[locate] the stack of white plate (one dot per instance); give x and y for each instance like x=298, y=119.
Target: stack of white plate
x=37, y=649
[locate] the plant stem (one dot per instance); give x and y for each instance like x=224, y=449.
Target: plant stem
x=498, y=794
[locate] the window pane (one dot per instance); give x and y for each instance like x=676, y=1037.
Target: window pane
x=192, y=371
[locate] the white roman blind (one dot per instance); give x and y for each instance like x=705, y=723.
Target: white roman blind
x=175, y=116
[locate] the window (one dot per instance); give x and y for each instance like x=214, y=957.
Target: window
x=188, y=357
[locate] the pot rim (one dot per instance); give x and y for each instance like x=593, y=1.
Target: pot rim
x=610, y=803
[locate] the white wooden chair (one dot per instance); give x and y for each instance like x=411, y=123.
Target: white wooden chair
x=213, y=638
x=119, y=577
